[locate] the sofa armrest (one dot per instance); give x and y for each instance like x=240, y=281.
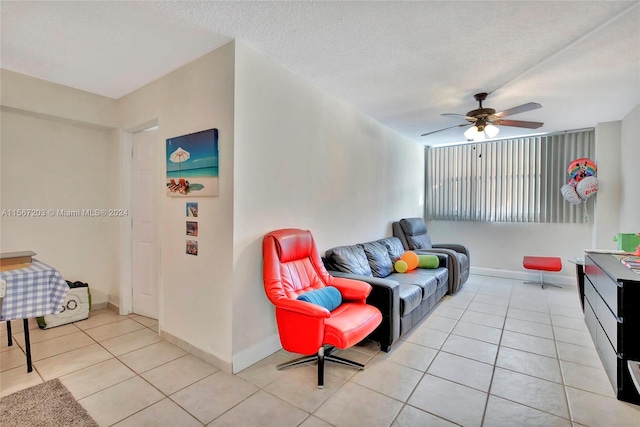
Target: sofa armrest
x=351, y=289
x=385, y=296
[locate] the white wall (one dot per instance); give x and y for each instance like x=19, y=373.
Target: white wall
x=630, y=181
x=195, y=291
x=57, y=152
x=305, y=159
x=607, y=208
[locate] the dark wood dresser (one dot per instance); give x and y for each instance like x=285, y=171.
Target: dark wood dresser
x=612, y=315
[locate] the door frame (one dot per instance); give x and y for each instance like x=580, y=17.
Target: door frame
x=126, y=225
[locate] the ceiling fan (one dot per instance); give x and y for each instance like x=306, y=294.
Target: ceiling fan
x=485, y=120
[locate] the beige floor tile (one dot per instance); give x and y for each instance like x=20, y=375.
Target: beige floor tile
x=71, y=361
x=540, y=394
x=409, y=354
x=368, y=347
x=568, y=322
x=530, y=343
x=450, y=312
x=459, y=303
x=472, y=349
x=262, y=409
x=573, y=336
x=38, y=335
x=151, y=356
x=17, y=379
x=526, y=303
x=565, y=311
x=529, y=316
x=115, y=403
x=312, y=421
x=412, y=417
x=448, y=400
x=212, y=396
x=178, y=374
x=439, y=323
x=17, y=326
x=111, y=330
x=481, y=307
x=483, y=319
x=162, y=414
x=501, y=412
x=62, y=344
x=264, y=372
x=132, y=341
x=299, y=387
x=12, y=359
x=529, y=328
x=587, y=378
x=95, y=378
x=497, y=291
x=427, y=337
x=376, y=377
x=592, y=409
x=146, y=321
x=535, y=365
x=579, y=354
x=492, y=299
x=4, y=344
x=461, y=370
x=478, y=332
x=355, y=405
x=99, y=318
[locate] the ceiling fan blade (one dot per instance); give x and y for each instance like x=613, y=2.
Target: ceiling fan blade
x=459, y=115
x=517, y=110
x=450, y=127
x=518, y=123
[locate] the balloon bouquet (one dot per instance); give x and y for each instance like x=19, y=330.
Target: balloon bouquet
x=582, y=183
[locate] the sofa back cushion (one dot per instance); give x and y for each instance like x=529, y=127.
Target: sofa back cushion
x=415, y=230
x=349, y=259
x=378, y=257
x=394, y=248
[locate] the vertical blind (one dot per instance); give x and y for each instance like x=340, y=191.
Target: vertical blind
x=509, y=180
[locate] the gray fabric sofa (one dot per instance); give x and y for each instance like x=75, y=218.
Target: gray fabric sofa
x=403, y=298
x=412, y=232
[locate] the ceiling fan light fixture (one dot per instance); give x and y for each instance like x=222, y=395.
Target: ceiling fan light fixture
x=491, y=130
x=471, y=133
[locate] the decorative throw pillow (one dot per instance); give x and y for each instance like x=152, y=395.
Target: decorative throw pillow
x=328, y=297
x=428, y=261
x=401, y=266
x=411, y=258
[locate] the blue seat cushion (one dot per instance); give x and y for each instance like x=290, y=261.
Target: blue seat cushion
x=328, y=297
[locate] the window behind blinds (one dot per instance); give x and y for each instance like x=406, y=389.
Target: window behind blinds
x=509, y=180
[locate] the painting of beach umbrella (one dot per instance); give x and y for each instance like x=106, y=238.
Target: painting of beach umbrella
x=192, y=164
x=179, y=156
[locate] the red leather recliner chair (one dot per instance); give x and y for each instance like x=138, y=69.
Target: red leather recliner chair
x=292, y=266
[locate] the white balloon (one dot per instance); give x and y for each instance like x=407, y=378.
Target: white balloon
x=587, y=187
x=569, y=193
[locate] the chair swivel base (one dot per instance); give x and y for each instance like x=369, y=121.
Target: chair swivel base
x=324, y=353
x=541, y=282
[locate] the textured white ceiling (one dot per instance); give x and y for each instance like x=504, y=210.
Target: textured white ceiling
x=403, y=63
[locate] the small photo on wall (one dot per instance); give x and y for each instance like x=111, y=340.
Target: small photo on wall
x=192, y=228
x=192, y=247
x=192, y=210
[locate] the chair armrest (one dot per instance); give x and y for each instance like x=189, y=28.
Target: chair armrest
x=385, y=296
x=351, y=289
x=302, y=307
x=453, y=246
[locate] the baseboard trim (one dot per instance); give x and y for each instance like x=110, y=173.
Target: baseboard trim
x=247, y=357
x=197, y=352
x=524, y=276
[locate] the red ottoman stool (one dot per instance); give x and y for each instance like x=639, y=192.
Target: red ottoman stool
x=542, y=264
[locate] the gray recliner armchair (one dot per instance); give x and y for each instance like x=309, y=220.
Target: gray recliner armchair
x=413, y=234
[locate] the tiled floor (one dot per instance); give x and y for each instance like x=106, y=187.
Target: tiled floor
x=497, y=353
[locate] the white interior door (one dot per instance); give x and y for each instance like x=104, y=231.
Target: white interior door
x=145, y=251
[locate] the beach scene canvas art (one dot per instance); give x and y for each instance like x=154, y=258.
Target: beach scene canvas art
x=192, y=164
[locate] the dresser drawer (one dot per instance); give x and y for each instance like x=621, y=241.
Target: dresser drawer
x=590, y=319
x=607, y=320
x=610, y=359
x=606, y=287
